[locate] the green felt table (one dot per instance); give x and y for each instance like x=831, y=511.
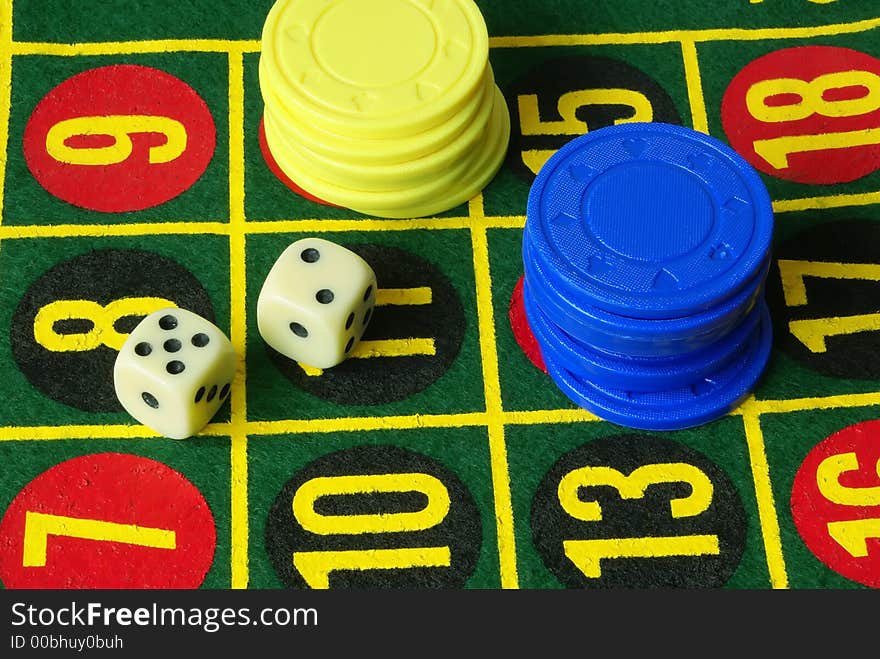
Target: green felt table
x=446, y=458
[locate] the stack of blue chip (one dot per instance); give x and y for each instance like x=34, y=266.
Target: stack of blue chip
x=645, y=251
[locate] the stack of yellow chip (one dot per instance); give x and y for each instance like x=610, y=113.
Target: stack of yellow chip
x=387, y=107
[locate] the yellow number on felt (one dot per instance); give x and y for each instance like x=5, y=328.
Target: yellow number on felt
x=852, y=535
x=633, y=486
x=812, y=101
x=587, y=554
x=811, y=95
x=411, y=347
x=828, y=481
x=316, y=566
x=311, y=520
x=814, y=332
x=103, y=319
x=569, y=103
x=39, y=526
x=776, y=150
x=120, y=128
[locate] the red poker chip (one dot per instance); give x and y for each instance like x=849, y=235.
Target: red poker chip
x=273, y=166
x=520, y=326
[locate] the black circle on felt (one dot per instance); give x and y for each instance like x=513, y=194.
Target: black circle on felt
x=150, y=400
x=850, y=243
x=642, y=512
x=84, y=379
x=551, y=79
x=460, y=530
x=380, y=380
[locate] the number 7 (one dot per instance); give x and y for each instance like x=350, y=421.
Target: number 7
x=39, y=526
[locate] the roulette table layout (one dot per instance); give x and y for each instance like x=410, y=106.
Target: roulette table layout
x=135, y=174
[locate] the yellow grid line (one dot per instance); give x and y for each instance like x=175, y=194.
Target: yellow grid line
x=250, y=428
x=494, y=407
x=829, y=201
x=136, y=47
x=672, y=36
x=757, y=408
x=769, y=521
x=238, y=328
x=315, y=225
x=75, y=431
x=537, y=417
x=699, y=116
x=531, y=41
x=8, y=232
x=358, y=424
x=841, y=401
x=5, y=89
x=358, y=224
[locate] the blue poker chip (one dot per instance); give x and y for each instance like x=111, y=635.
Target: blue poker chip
x=635, y=373
x=705, y=400
x=639, y=337
x=649, y=220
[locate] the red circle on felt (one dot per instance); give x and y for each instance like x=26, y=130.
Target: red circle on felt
x=835, y=502
x=90, y=140
x=107, y=520
x=279, y=173
x=516, y=313
x=817, y=122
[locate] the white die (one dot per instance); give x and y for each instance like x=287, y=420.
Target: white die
x=174, y=372
x=316, y=302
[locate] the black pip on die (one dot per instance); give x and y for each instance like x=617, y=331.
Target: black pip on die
x=316, y=302
x=174, y=372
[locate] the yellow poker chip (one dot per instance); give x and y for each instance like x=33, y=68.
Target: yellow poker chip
x=475, y=179
x=296, y=164
x=455, y=186
x=379, y=69
x=377, y=152
x=375, y=178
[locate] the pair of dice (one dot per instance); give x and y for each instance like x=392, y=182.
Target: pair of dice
x=176, y=368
